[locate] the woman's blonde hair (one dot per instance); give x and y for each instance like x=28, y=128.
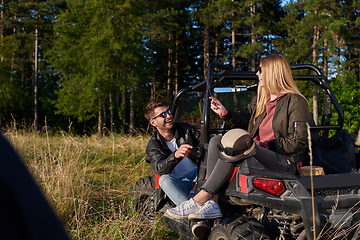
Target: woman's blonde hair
x=276, y=79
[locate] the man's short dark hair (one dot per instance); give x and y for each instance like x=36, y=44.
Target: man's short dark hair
x=149, y=109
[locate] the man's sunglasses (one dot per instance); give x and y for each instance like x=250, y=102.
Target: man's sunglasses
x=163, y=114
x=231, y=151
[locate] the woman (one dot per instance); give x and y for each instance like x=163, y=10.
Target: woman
x=276, y=121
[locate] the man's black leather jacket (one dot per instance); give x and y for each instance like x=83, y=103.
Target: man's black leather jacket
x=161, y=158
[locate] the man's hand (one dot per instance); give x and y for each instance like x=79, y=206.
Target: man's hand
x=183, y=151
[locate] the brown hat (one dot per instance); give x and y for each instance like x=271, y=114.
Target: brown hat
x=235, y=145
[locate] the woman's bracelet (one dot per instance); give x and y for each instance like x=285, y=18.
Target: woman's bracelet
x=223, y=115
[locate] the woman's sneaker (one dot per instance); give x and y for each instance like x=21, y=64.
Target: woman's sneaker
x=201, y=229
x=183, y=210
x=210, y=210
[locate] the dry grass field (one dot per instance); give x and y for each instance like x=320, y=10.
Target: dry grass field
x=87, y=180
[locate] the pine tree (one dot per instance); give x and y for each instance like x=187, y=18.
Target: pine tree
x=241, y=31
x=323, y=33
x=26, y=34
x=96, y=51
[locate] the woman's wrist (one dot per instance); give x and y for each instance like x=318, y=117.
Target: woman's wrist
x=222, y=115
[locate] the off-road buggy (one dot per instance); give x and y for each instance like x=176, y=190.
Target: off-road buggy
x=258, y=203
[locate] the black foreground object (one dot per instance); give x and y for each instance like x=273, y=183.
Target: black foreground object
x=25, y=214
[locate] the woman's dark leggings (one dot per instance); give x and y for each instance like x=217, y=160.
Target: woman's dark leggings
x=218, y=171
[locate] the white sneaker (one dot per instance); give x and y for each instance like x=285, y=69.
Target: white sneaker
x=210, y=210
x=183, y=210
x=201, y=229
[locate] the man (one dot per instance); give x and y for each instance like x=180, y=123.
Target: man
x=172, y=151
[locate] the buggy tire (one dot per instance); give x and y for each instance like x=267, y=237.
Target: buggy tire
x=142, y=195
x=238, y=228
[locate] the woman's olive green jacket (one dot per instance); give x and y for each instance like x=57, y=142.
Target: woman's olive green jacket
x=289, y=124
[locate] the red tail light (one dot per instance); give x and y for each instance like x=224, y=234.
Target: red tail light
x=274, y=187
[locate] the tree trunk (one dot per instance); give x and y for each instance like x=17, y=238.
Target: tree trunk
x=99, y=127
x=176, y=83
x=153, y=86
x=169, y=81
x=315, y=105
x=206, y=50
x=104, y=116
x=325, y=59
x=316, y=34
x=216, y=54
x=36, y=106
x=84, y=133
x=233, y=46
x=123, y=108
x=253, y=39
x=132, y=113
x=2, y=30
x=12, y=57
x=111, y=113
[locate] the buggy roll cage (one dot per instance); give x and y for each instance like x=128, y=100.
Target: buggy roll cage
x=225, y=73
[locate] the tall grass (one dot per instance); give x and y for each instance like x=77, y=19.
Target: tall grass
x=87, y=179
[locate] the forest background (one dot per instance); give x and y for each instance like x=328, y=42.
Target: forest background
x=91, y=66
